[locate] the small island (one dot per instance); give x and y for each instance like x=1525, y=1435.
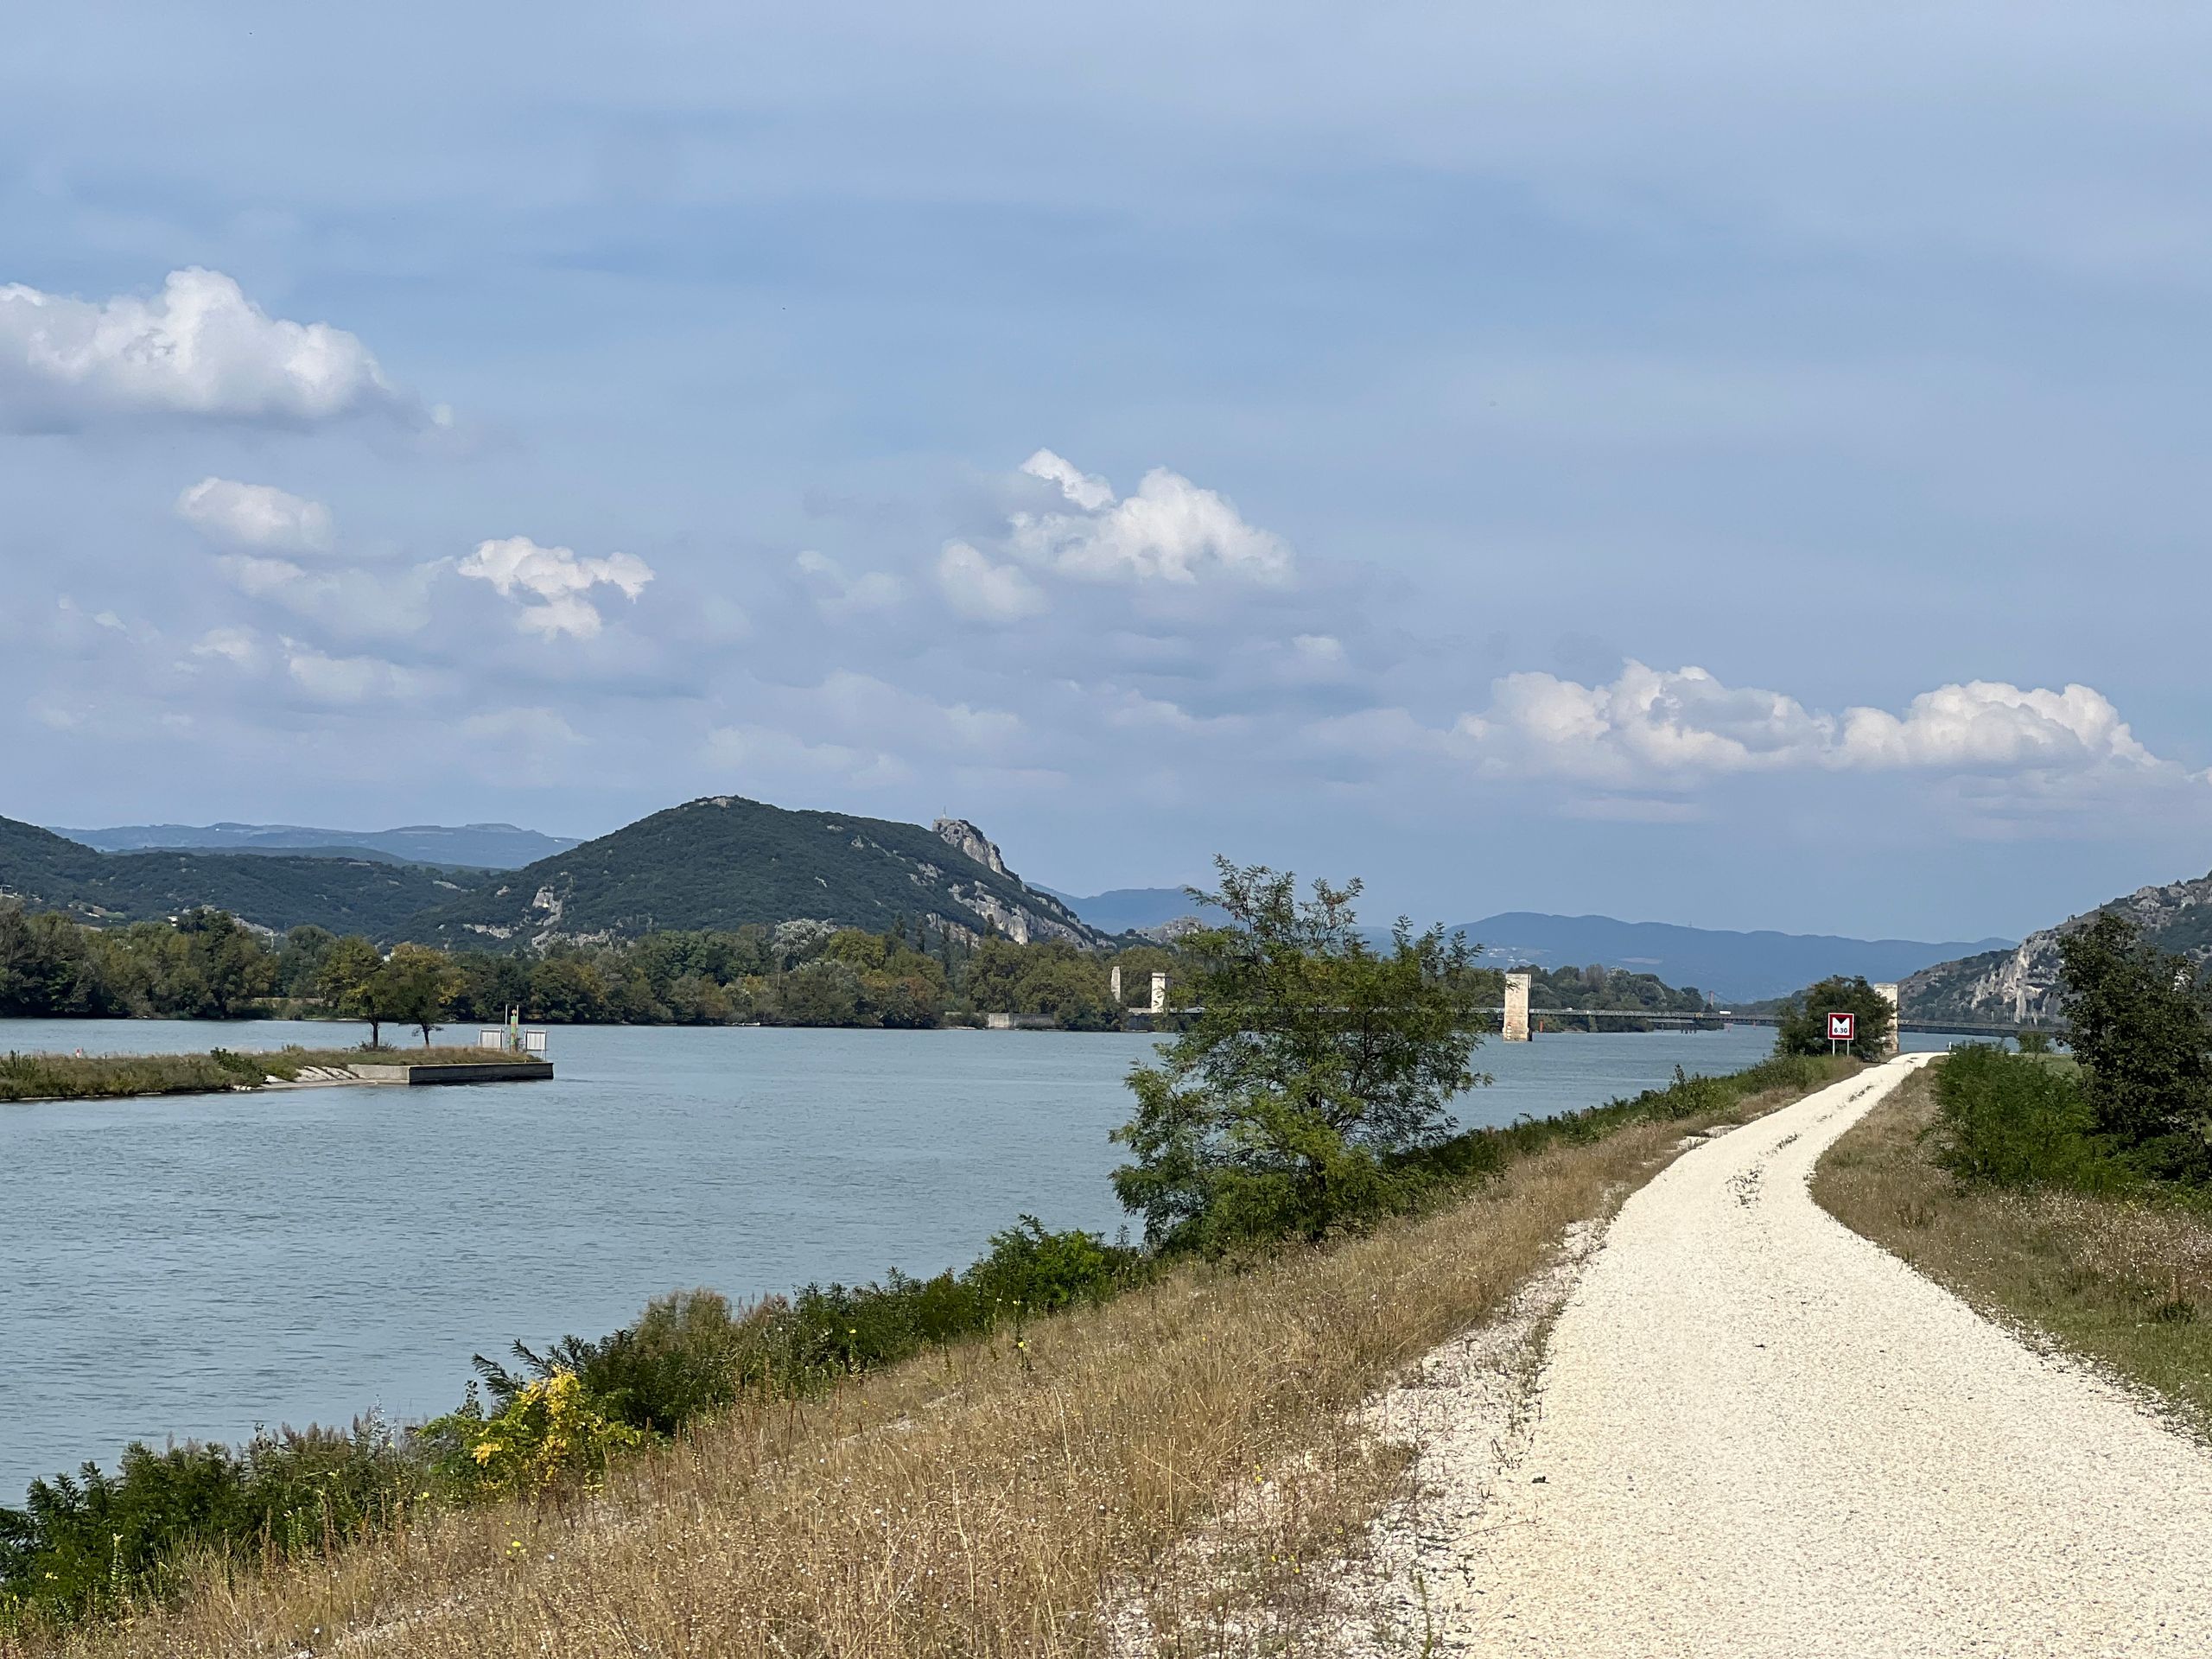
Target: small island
x=116, y=1077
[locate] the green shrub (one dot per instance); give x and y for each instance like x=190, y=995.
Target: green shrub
x=2013, y=1119
x=551, y=1432
x=80, y=1544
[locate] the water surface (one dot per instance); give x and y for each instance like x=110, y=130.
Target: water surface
x=191, y=1266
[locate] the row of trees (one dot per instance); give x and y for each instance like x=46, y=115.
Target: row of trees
x=208, y=965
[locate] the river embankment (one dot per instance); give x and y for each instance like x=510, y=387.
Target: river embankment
x=34, y=1077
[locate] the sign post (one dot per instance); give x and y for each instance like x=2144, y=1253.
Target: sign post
x=1842, y=1028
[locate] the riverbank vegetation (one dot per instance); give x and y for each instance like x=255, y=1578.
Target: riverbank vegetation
x=114, y=1076
x=2073, y=1196
x=916, y=976
x=992, y=1462
x=1024, y=1435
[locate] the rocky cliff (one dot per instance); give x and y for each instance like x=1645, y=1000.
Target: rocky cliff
x=2021, y=985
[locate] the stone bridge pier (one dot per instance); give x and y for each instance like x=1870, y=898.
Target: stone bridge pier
x=1517, y=1009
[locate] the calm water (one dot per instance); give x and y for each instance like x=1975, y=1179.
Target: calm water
x=193, y=1266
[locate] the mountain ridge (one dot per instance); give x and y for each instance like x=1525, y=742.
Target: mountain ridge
x=2021, y=984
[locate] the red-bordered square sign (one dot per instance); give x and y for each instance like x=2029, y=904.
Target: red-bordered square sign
x=1843, y=1028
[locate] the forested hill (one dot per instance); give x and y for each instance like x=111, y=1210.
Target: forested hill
x=723, y=861
x=346, y=895
x=2022, y=984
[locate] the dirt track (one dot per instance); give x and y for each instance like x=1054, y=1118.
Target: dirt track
x=1757, y=1433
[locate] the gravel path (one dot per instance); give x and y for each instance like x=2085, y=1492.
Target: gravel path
x=1758, y=1434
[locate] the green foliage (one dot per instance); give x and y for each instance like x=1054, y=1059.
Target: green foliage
x=342, y=894
x=2013, y=1120
x=1804, y=1027
x=2136, y=1020
x=1608, y=989
x=2033, y=1042
x=551, y=1431
x=81, y=1543
x=1315, y=1061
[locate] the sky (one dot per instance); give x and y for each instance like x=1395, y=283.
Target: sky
x=1718, y=464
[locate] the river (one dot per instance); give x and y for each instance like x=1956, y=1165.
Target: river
x=192, y=1266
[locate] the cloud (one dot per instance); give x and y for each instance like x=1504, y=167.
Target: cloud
x=1170, y=531
x=837, y=594
x=557, y=579
x=354, y=602
x=984, y=592
x=197, y=348
x=1653, y=724
x=236, y=646
x=258, y=516
x=349, y=680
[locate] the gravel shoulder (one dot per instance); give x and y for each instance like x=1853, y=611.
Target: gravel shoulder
x=1755, y=1432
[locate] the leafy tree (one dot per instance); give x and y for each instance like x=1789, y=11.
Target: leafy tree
x=346, y=981
x=1316, y=1060
x=2136, y=1019
x=233, y=964
x=415, y=987
x=1804, y=1028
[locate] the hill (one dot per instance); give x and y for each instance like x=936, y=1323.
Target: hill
x=275, y=891
x=1737, y=967
x=723, y=861
x=2020, y=983
x=478, y=846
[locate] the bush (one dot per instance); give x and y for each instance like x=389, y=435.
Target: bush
x=2013, y=1119
x=80, y=1544
x=1804, y=1027
x=551, y=1432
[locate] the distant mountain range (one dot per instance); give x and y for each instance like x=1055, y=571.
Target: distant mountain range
x=2019, y=983
x=719, y=862
x=479, y=846
x=1740, y=967
x=1729, y=966
x=355, y=895
x=1130, y=910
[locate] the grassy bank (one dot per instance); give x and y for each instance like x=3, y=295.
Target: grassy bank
x=985, y=1496
x=112, y=1077
x=2119, y=1272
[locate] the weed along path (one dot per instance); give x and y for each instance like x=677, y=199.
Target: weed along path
x=1755, y=1432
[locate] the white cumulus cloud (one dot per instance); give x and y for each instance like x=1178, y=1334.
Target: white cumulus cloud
x=552, y=582
x=258, y=516
x=199, y=347
x=1659, y=724
x=984, y=592
x=1171, y=529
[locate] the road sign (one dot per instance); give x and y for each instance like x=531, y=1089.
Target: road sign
x=1843, y=1028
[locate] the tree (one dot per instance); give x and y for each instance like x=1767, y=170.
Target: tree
x=2136, y=1020
x=1804, y=1028
x=1314, y=1061
x=415, y=987
x=233, y=965
x=347, y=979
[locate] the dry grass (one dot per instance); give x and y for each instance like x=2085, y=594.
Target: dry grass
x=1004, y=1497
x=2126, y=1281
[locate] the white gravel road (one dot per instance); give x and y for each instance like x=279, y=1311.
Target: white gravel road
x=1759, y=1434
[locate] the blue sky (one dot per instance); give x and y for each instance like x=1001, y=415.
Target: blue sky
x=1698, y=464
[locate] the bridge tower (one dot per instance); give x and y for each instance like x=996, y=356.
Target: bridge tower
x=1160, y=993
x=1517, y=1009
x=1888, y=994
x=1114, y=984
